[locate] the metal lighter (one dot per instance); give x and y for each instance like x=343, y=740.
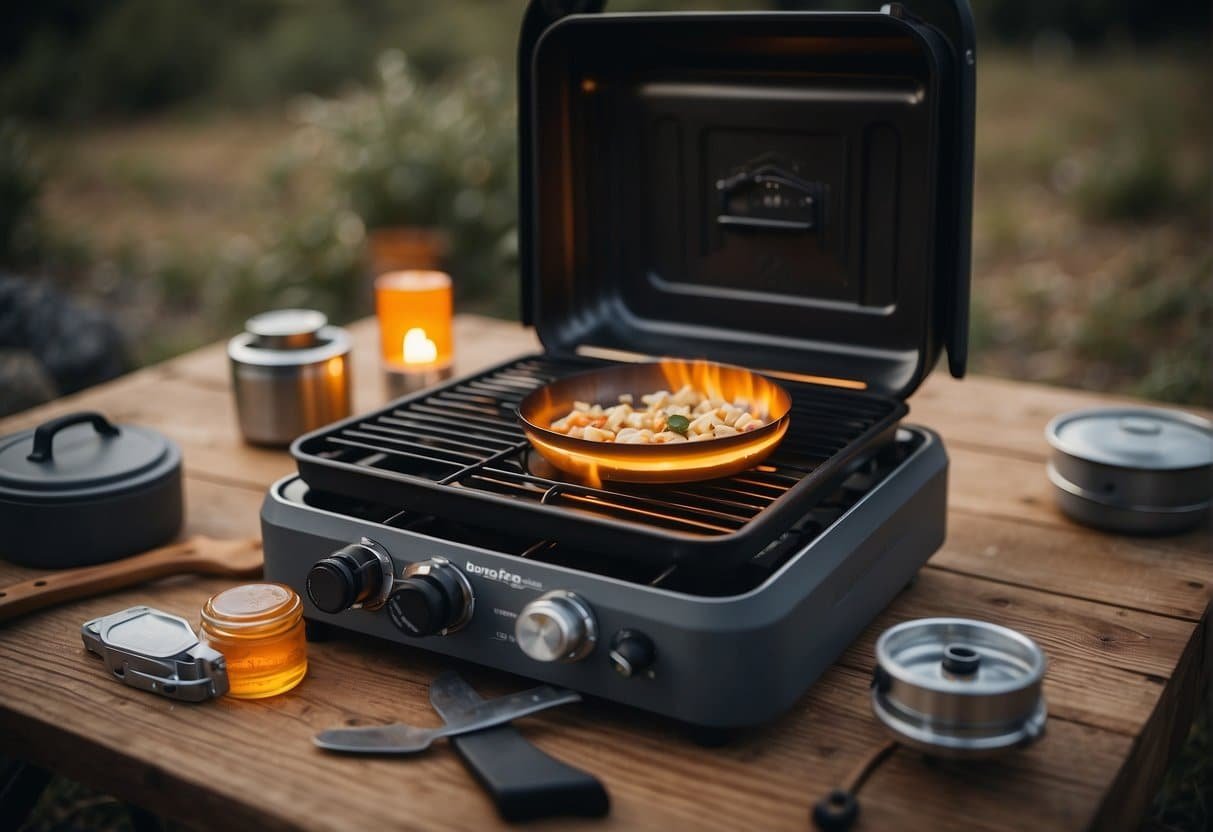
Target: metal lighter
x=157, y=652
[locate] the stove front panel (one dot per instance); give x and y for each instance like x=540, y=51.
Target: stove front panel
x=719, y=661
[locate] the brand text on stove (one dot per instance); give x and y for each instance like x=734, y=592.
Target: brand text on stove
x=502, y=575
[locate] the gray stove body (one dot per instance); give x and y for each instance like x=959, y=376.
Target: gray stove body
x=721, y=662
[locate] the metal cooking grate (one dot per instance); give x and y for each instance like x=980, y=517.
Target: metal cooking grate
x=458, y=452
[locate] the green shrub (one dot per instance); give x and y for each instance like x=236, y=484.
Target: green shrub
x=1153, y=323
x=1133, y=180
x=318, y=52
x=441, y=154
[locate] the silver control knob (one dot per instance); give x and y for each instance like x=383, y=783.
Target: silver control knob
x=556, y=627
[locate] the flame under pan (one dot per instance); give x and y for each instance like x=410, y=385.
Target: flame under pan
x=673, y=463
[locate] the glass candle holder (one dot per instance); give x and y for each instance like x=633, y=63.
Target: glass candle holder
x=416, y=344
x=260, y=632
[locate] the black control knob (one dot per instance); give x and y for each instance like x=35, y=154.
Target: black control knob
x=355, y=574
x=631, y=653
x=431, y=598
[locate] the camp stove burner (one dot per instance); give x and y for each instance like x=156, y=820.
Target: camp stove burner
x=788, y=192
x=459, y=452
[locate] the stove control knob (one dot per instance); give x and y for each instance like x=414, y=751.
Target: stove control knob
x=556, y=627
x=632, y=653
x=431, y=598
x=357, y=575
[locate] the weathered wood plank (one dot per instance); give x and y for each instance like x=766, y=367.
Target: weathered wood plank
x=479, y=342
x=1003, y=415
x=1107, y=665
x=189, y=400
x=1120, y=686
x=1072, y=560
x=994, y=485
x=252, y=762
x=1156, y=744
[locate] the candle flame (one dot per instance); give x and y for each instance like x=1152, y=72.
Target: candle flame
x=419, y=348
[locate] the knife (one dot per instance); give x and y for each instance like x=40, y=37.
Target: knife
x=410, y=739
x=523, y=781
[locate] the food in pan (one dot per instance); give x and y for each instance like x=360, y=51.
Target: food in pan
x=688, y=415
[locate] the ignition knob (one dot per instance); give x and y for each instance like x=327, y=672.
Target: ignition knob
x=631, y=653
x=431, y=598
x=356, y=575
x=556, y=627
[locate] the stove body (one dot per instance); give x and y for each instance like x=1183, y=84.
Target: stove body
x=786, y=191
x=724, y=659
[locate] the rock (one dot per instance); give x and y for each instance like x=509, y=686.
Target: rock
x=76, y=346
x=24, y=382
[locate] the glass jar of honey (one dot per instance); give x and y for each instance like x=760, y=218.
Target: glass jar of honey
x=259, y=630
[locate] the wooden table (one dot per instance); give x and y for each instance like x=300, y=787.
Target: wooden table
x=1125, y=623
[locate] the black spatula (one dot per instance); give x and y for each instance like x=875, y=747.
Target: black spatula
x=524, y=782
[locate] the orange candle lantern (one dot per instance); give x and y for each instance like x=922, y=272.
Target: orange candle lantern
x=415, y=340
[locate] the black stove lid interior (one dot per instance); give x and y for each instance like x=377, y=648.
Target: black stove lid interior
x=786, y=191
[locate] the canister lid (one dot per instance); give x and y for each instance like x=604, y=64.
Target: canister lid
x=1144, y=438
x=286, y=329
x=83, y=456
x=287, y=339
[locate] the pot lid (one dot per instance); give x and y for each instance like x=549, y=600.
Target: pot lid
x=1145, y=438
x=82, y=454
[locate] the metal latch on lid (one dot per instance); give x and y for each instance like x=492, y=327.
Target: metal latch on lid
x=157, y=652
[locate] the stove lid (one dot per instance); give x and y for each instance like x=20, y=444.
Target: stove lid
x=789, y=191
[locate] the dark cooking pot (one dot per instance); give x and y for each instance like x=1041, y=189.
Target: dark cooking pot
x=79, y=490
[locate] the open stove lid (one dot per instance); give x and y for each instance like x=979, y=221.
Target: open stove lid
x=789, y=191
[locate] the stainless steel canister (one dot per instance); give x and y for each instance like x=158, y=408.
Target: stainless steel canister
x=290, y=374
x=954, y=687
x=1132, y=469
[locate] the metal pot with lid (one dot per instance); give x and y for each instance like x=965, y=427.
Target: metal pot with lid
x=1141, y=470
x=80, y=490
x=955, y=687
x=290, y=375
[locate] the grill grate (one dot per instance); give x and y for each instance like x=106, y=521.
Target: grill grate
x=458, y=452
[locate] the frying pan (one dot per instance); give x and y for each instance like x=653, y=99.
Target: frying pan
x=669, y=463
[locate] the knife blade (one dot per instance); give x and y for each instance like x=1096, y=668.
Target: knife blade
x=400, y=738
x=524, y=782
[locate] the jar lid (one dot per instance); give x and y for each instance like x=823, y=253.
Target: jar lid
x=83, y=456
x=253, y=609
x=959, y=686
x=286, y=329
x=1144, y=438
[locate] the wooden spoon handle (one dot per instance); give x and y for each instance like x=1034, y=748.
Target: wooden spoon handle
x=71, y=584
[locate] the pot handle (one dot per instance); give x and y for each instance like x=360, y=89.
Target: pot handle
x=44, y=435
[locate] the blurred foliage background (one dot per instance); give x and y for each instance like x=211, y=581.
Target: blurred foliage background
x=183, y=165
x=176, y=166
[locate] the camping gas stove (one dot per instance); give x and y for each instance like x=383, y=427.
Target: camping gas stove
x=786, y=191
x=817, y=540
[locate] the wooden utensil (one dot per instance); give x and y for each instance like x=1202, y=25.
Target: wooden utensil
x=197, y=555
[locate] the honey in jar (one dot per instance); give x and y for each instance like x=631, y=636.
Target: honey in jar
x=259, y=630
